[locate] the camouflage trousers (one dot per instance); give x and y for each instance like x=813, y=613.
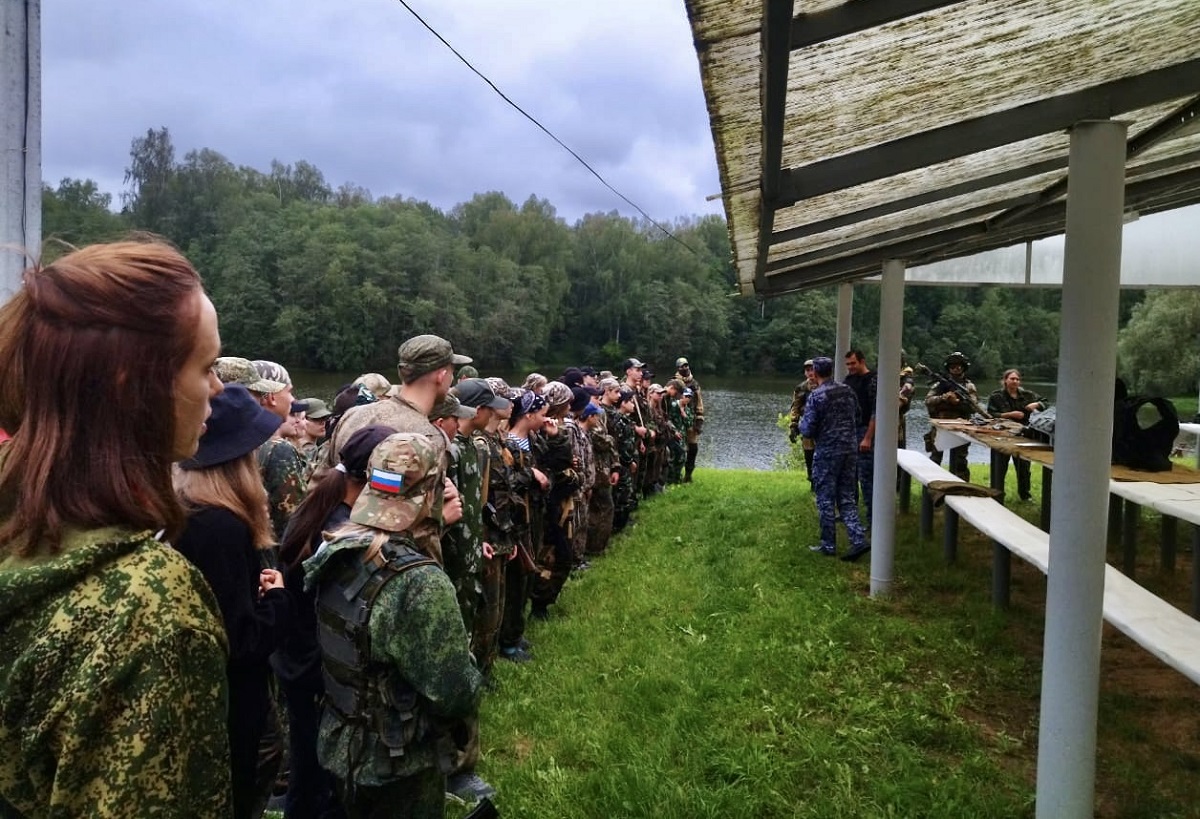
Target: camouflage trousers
x=600, y=518
x=833, y=481
x=554, y=562
x=579, y=527
x=485, y=630
x=676, y=455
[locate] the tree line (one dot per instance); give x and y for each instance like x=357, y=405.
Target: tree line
x=332, y=278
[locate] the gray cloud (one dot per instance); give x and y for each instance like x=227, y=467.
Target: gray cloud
x=362, y=91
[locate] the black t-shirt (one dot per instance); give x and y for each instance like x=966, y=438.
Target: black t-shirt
x=864, y=387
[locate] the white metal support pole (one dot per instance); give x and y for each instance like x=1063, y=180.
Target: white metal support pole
x=887, y=413
x=845, y=320
x=1086, y=373
x=20, y=139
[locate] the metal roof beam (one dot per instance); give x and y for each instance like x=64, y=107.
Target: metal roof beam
x=990, y=131
x=777, y=17
x=850, y=18
x=1148, y=196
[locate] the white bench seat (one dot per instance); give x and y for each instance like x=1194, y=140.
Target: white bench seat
x=1153, y=623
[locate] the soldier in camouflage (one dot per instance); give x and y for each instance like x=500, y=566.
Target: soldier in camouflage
x=944, y=401
x=426, y=369
x=620, y=407
x=398, y=673
x=830, y=421
x=607, y=473
x=683, y=371
x=799, y=398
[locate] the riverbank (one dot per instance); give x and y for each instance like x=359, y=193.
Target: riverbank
x=711, y=666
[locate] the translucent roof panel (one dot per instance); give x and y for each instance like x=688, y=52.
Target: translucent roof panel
x=849, y=133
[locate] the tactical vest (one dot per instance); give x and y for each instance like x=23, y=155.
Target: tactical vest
x=370, y=697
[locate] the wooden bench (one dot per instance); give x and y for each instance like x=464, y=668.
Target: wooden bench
x=1151, y=622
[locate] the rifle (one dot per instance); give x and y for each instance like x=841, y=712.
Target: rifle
x=962, y=391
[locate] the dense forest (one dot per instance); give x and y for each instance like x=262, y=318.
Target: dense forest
x=333, y=278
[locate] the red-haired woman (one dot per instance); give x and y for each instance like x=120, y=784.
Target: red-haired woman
x=112, y=655
x=227, y=529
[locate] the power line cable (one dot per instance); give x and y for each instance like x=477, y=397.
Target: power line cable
x=544, y=129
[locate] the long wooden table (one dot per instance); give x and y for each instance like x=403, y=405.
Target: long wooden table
x=1174, y=494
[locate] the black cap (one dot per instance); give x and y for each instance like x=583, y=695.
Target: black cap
x=356, y=452
x=476, y=392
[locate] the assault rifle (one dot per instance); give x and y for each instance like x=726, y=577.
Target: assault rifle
x=963, y=393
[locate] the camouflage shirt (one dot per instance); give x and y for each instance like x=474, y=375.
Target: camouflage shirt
x=401, y=416
x=415, y=629
x=831, y=419
x=284, y=473
x=462, y=542
x=498, y=507
x=112, y=683
x=604, y=448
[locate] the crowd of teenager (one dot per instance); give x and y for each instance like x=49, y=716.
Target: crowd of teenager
x=205, y=582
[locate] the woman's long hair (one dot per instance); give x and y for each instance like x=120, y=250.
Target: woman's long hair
x=305, y=525
x=90, y=349
x=234, y=486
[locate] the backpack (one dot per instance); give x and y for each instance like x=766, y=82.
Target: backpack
x=1144, y=431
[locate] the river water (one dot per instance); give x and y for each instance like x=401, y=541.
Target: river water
x=740, y=426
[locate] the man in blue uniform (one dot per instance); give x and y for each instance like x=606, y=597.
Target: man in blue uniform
x=831, y=422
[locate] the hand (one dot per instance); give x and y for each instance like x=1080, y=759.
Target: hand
x=613, y=478
x=641, y=431
x=269, y=579
x=452, y=510
x=951, y=397
x=488, y=551
x=793, y=434
x=449, y=490
x=633, y=468
x=550, y=427
x=864, y=445
x=1032, y=407
x=541, y=478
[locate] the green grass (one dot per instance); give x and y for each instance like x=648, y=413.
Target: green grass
x=711, y=666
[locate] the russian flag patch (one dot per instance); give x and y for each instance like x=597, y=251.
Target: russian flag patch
x=391, y=483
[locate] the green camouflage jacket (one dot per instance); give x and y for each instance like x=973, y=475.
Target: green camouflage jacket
x=605, y=450
x=620, y=427
x=112, y=683
x=498, y=509
x=284, y=472
x=415, y=629
x=462, y=543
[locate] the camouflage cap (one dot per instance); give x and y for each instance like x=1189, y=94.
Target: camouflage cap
x=500, y=387
x=466, y=372
x=272, y=372
x=557, y=394
x=402, y=476
x=234, y=370
x=318, y=410
x=424, y=354
x=451, y=407
x=609, y=383
x=681, y=362
x=376, y=383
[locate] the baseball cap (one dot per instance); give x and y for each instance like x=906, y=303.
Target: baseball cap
x=451, y=407
x=238, y=425
x=271, y=371
x=234, y=370
x=609, y=383
x=681, y=362
x=424, y=354
x=317, y=409
x=590, y=410
x=808, y=363
x=626, y=395
x=657, y=388
x=632, y=363
x=476, y=392
x=355, y=454
x=556, y=394
x=402, y=473
x=299, y=406
x=375, y=382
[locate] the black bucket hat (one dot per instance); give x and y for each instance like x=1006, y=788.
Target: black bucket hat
x=238, y=425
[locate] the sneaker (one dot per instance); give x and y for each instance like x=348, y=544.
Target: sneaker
x=525, y=646
x=515, y=654
x=855, y=554
x=828, y=551
x=468, y=788
x=581, y=566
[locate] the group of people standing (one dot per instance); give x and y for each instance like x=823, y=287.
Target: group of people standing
x=177, y=531
x=836, y=422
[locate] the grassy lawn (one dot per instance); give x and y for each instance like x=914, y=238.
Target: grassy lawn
x=711, y=666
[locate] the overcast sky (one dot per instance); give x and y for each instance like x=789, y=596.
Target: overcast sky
x=361, y=90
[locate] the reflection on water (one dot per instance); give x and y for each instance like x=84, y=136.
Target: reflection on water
x=740, y=414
